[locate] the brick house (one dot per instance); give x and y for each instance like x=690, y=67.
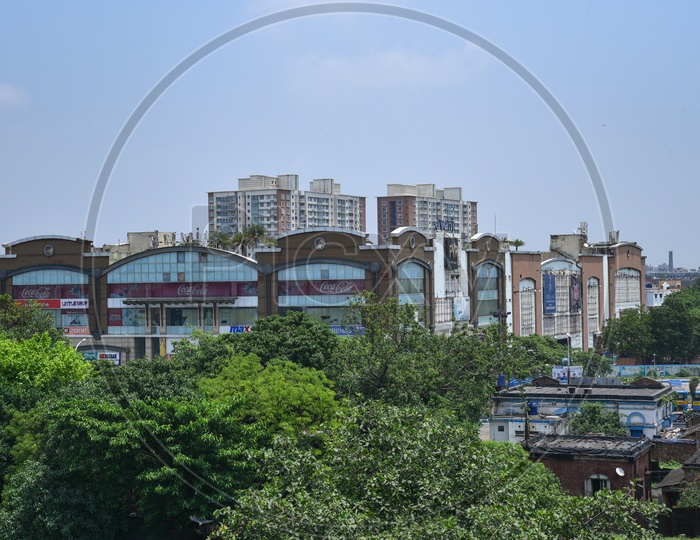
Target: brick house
x=585, y=464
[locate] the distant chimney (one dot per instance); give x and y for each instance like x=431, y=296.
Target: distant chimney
x=670, y=261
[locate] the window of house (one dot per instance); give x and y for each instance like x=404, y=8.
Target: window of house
x=501, y=428
x=596, y=482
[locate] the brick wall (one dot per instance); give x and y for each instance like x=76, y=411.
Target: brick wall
x=678, y=450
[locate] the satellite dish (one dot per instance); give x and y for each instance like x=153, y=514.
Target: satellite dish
x=620, y=471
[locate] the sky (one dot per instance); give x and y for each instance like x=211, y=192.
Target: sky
x=363, y=98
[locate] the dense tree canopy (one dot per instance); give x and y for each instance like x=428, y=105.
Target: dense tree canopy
x=291, y=431
x=282, y=394
x=397, y=472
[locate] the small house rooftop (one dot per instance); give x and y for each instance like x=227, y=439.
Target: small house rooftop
x=587, y=445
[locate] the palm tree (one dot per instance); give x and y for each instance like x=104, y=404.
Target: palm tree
x=219, y=239
x=238, y=242
x=255, y=235
x=516, y=242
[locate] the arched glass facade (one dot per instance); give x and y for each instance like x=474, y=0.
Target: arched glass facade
x=628, y=289
x=320, y=289
x=486, y=293
x=562, y=299
x=62, y=293
x=174, y=291
x=411, y=281
x=593, y=308
x=527, y=306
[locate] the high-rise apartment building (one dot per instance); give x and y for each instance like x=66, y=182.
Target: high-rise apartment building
x=426, y=207
x=277, y=203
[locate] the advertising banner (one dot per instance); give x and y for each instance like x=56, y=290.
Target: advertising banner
x=461, y=308
x=44, y=304
x=348, y=330
x=451, y=253
x=549, y=293
x=76, y=303
x=561, y=372
x=74, y=319
x=76, y=331
x=575, y=303
x=46, y=292
x=35, y=292
x=215, y=289
x=346, y=287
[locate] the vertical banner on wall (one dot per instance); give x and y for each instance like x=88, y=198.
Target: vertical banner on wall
x=575, y=304
x=451, y=253
x=550, y=293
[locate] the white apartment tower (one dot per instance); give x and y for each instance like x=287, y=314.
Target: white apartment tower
x=277, y=203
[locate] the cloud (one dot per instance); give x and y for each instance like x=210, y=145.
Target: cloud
x=386, y=69
x=10, y=96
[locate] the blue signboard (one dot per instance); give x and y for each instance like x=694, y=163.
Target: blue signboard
x=550, y=293
x=348, y=330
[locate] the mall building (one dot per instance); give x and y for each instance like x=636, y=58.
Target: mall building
x=143, y=303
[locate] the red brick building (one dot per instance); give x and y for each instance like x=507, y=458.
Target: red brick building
x=585, y=464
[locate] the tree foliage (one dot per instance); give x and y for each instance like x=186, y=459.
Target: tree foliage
x=296, y=337
x=630, y=334
x=391, y=472
x=281, y=394
x=20, y=322
x=594, y=417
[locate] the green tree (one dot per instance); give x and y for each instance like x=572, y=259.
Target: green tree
x=296, y=337
x=400, y=361
x=255, y=235
x=690, y=495
x=594, y=417
x=593, y=363
x=390, y=472
x=693, y=387
x=365, y=364
x=630, y=334
x=281, y=394
x=34, y=368
x=674, y=329
x=162, y=460
x=21, y=322
x=516, y=243
x=219, y=240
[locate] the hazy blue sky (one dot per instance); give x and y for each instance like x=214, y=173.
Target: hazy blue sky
x=365, y=99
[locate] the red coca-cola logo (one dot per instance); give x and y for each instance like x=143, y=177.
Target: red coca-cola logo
x=338, y=287
x=199, y=289
x=36, y=293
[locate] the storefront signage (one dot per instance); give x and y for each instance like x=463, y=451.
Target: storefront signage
x=44, y=304
x=76, y=303
x=444, y=225
x=76, y=331
x=45, y=292
x=37, y=292
x=239, y=329
x=348, y=330
x=183, y=290
x=321, y=287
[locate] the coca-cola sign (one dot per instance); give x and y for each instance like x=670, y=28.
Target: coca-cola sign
x=192, y=289
x=337, y=287
x=211, y=289
x=38, y=292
